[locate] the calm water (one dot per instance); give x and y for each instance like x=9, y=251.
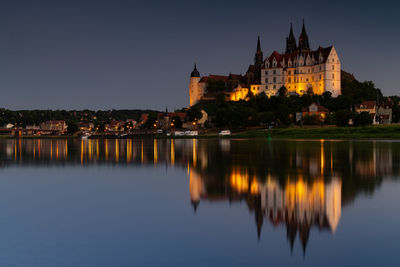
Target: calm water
x=199, y=203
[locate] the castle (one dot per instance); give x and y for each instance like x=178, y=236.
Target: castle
x=299, y=69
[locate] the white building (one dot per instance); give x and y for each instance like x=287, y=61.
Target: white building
x=301, y=70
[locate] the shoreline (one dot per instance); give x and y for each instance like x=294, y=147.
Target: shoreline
x=327, y=132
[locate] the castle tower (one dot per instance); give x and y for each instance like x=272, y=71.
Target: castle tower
x=195, y=90
x=291, y=42
x=304, y=45
x=258, y=57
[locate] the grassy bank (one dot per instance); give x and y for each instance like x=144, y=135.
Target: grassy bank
x=368, y=132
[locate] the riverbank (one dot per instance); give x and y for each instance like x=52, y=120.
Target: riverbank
x=368, y=132
x=327, y=132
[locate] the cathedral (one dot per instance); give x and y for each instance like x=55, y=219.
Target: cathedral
x=299, y=69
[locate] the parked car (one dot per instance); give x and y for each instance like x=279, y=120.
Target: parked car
x=224, y=132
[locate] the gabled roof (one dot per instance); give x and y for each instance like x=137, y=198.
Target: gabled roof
x=285, y=57
x=319, y=108
x=366, y=105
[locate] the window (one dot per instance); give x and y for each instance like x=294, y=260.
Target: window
x=307, y=80
x=266, y=80
x=266, y=72
x=274, y=87
x=274, y=79
x=333, y=67
x=320, y=76
x=319, y=68
x=289, y=80
x=274, y=72
x=289, y=72
x=333, y=76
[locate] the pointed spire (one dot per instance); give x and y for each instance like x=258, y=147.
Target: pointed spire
x=258, y=57
x=195, y=72
x=291, y=41
x=304, y=44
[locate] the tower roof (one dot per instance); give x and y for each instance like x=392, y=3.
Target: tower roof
x=303, y=39
x=291, y=41
x=195, y=72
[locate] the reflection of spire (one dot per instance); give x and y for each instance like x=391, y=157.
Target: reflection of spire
x=304, y=235
x=259, y=221
x=195, y=204
x=291, y=232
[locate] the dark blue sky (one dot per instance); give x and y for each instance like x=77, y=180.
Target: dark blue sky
x=139, y=54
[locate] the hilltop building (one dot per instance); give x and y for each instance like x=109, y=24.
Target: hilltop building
x=299, y=69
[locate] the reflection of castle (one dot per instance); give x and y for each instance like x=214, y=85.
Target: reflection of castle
x=300, y=206
x=297, y=205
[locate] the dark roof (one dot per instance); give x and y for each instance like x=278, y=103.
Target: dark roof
x=195, y=72
x=319, y=108
x=366, y=104
x=285, y=57
x=220, y=77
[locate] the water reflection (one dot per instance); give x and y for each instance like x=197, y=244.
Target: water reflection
x=298, y=185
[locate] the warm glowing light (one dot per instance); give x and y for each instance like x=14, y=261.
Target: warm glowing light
x=155, y=151
x=172, y=152
x=194, y=153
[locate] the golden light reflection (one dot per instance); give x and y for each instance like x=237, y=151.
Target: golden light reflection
x=155, y=151
x=239, y=181
x=116, y=150
x=128, y=150
x=194, y=152
x=141, y=153
x=81, y=151
x=106, y=148
x=322, y=157
x=172, y=152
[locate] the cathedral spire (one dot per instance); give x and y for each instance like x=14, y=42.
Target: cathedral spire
x=304, y=45
x=291, y=41
x=258, y=57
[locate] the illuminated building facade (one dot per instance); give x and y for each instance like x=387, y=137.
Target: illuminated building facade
x=299, y=69
x=302, y=70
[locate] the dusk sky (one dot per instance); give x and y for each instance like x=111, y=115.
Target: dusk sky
x=139, y=54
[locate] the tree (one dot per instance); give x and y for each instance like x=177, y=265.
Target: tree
x=72, y=127
x=396, y=113
x=343, y=116
x=283, y=114
x=363, y=119
x=194, y=113
x=282, y=91
x=310, y=91
x=176, y=120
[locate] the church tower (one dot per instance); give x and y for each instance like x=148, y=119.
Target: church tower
x=195, y=90
x=304, y=45
x=291, y=42
x=258, y=57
